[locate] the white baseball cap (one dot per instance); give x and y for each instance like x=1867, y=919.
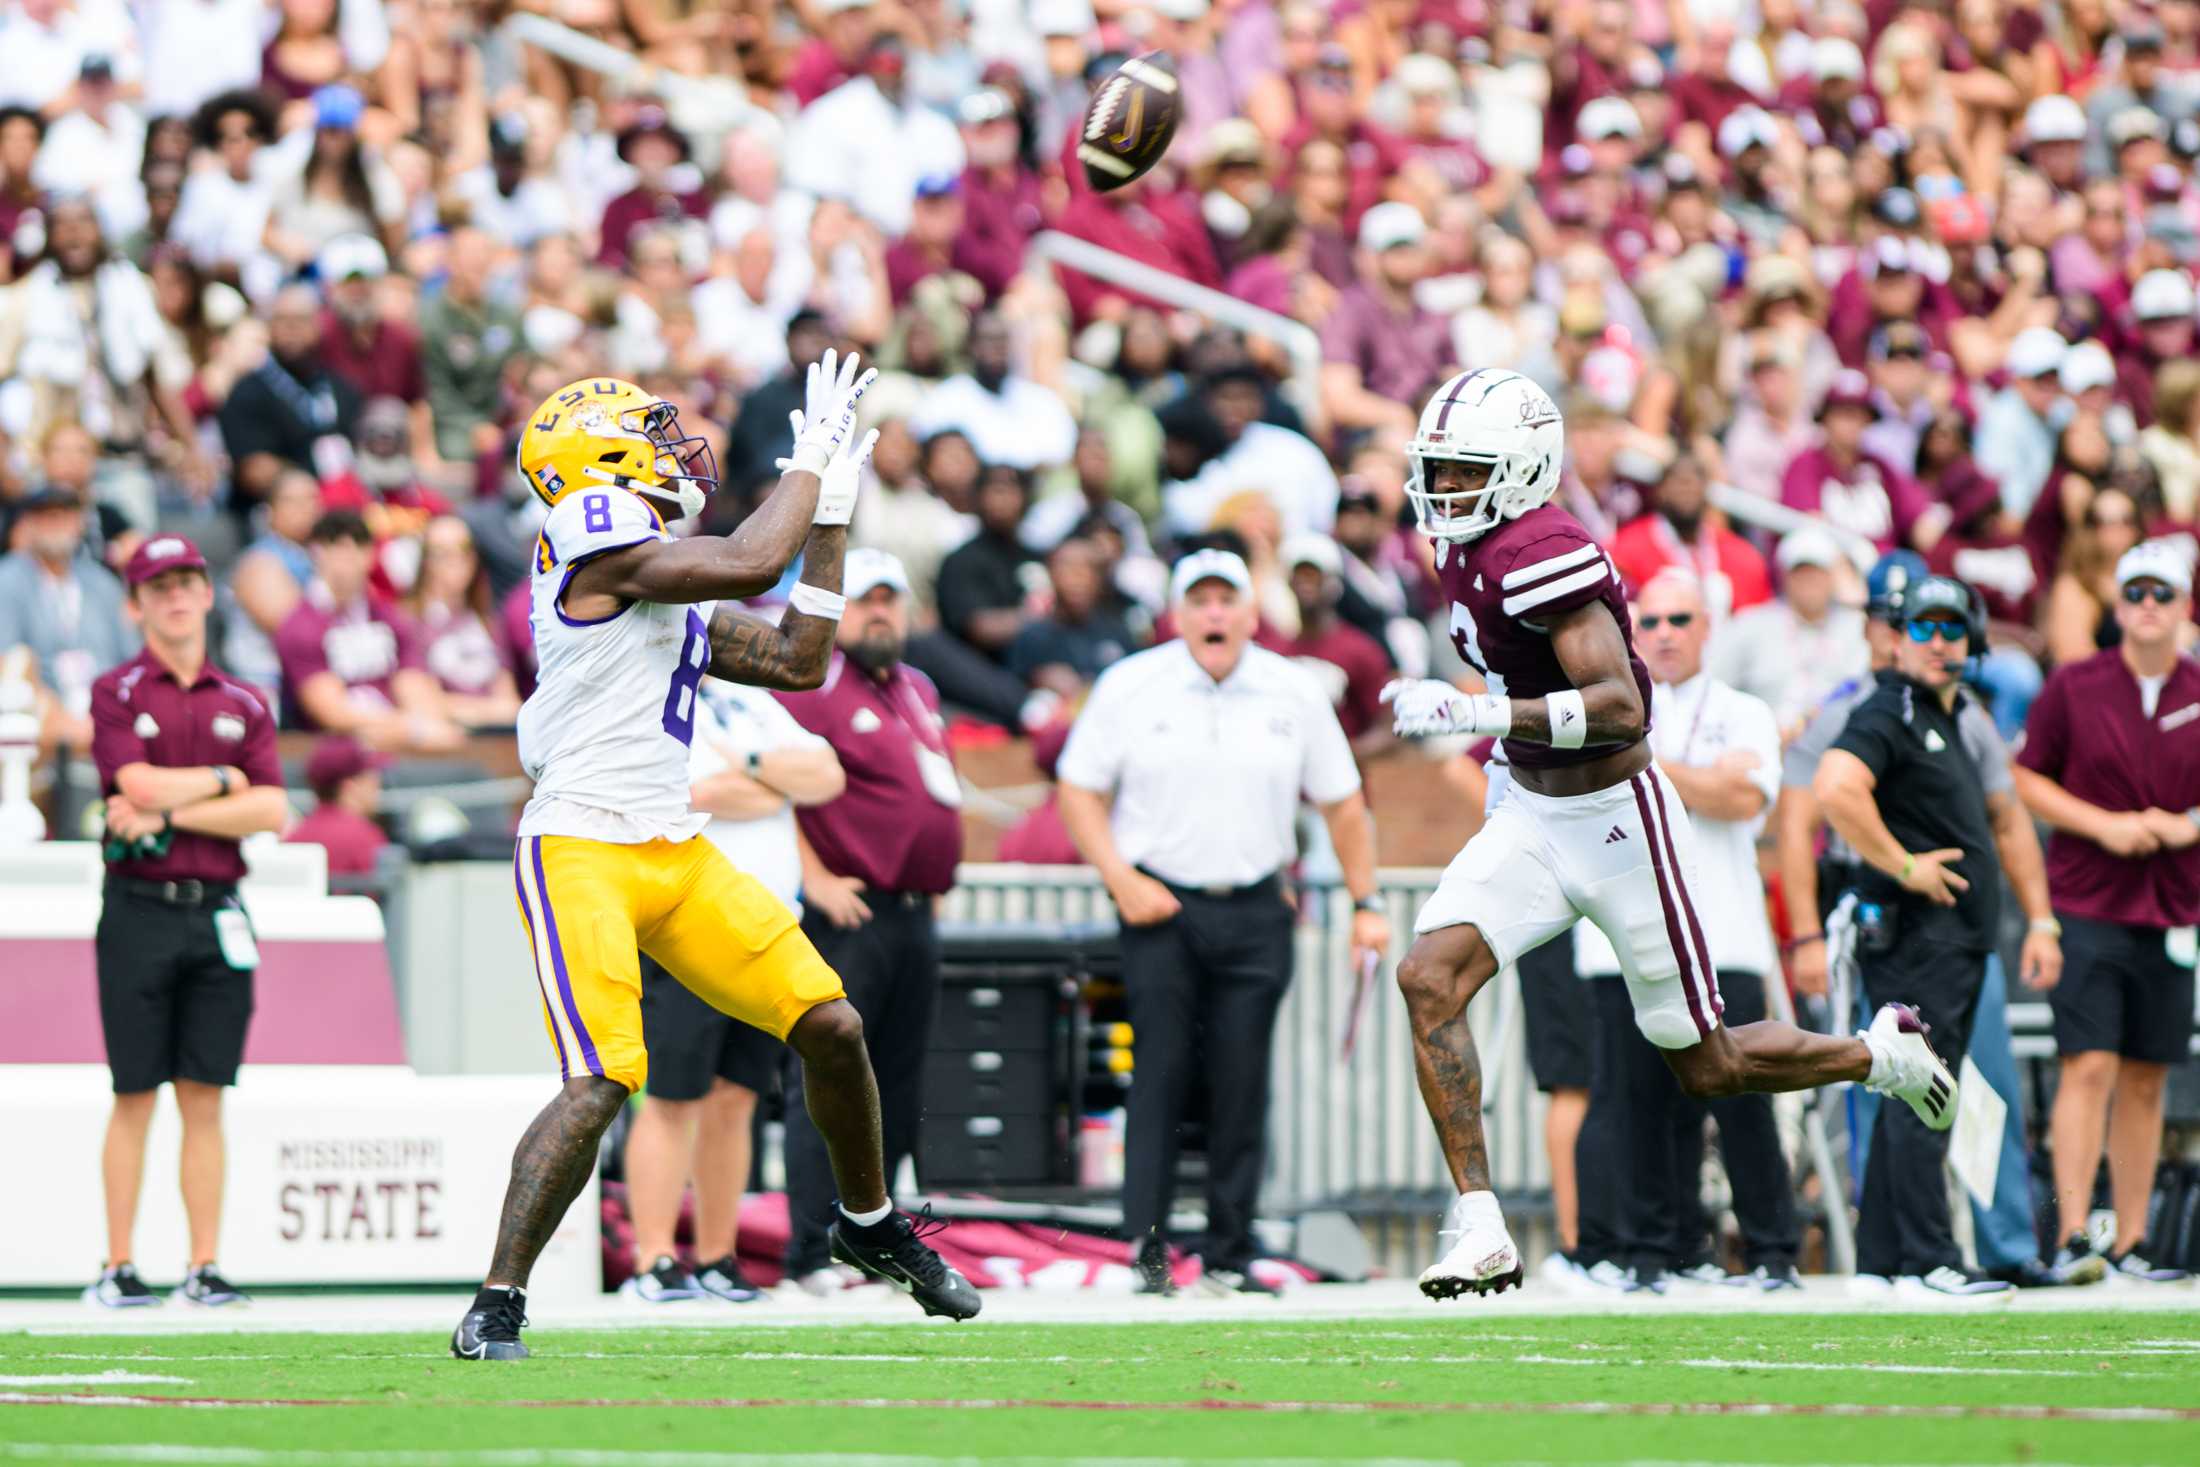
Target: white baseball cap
x=2086, y=366
x=1312, y=547
x=1745, y=127
x=866, y=569
x=1835, y=58
x=2037, y=351
x=1423, y=75
x=2054, y=119
x=1609, y=117
x=2162, y=293
x=2155, y=560
x=1388, y=226
x=1808, y=545
x=351, y=255
x=1202, y=565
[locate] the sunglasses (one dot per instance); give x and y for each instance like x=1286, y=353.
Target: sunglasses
x=2157, y=593
x=1948, y=631
x=2109, y=521
x=1677, y=620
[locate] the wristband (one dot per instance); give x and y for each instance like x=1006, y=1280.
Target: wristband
x=2047, y=925
x=753, y=765
x=1909, y=864
x=1569, y=719
x=1797, y=944
x=221, y=779
x=809, y=458
x=1493, y=715
x=816, y=601
x=1372, y=902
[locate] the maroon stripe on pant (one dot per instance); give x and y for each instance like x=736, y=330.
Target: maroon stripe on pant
x=1688, y=908
x=1681, y=951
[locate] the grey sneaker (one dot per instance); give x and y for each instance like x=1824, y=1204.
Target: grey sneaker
x=120, y=1288
x=1704, y=1275
x=2076, y=1262
x=1954, y=1284
x=663, y=1282
x=2131, y=1268
x=724, y=1280
x=1767, y=1278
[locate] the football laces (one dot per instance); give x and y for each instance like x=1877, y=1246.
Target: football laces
x=1110, y=102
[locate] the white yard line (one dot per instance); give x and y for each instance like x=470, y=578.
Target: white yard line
x=104, y=1377
x=176, y=1454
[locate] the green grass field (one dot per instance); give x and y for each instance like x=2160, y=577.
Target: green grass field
x=1707, y=1388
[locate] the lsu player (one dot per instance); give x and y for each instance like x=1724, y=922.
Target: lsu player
x=609, y=858
x=1589, y=827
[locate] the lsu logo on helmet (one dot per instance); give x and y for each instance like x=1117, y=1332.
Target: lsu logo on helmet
x=604, y=431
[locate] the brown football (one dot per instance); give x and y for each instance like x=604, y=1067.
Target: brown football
x=1131, y=119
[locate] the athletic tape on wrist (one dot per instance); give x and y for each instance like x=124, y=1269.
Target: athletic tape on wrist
x=810, y=458
x=1569, y=719
x=817, y=601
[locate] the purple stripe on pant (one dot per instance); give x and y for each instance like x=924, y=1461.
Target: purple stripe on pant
x=534, y=954
x=557, y=957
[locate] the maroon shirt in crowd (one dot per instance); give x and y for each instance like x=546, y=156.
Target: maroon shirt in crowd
x=1372, y=158
x=1400, y=354
x=388, y=365
x=351, y=839
x=1871, y=497
x=1156, y=229
x=637, y=207
x=1351, y=669
x=2090, y=734
x=141, y=714
x=365, y=644
x=885, y=829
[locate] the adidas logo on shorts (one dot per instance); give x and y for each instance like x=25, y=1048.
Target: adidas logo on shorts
x=1616, y=835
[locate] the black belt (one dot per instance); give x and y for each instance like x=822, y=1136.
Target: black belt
x=875, y=898
x=186, y=893
x=1269, y=886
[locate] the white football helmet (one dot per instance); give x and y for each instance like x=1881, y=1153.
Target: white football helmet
x=1485, y=416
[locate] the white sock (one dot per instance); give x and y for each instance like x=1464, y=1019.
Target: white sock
x=869, y=1219
x=1480, y=1209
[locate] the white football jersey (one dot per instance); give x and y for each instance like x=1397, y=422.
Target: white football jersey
x=605, y=736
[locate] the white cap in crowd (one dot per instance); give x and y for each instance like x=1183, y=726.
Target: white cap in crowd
x=1809, y=545
x=1388, y=226
x=1311, y=547
x=1609, y=117
x=1063, y=17
x=1835, y=58
x=1747, y=127
x=2156, y=560
x=351, y=255
x=2037, y=351
x=1201, y=565
x=2086, y=366
x=2054, y=119
x=2161, y=294
x=867, y=569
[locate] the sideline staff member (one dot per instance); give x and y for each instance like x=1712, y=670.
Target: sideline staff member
x=187, y=759
x=876, y=858
x=1206, y=745
x=1903, y=790
x=2111, y=761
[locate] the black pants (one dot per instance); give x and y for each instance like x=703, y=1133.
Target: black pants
x=170, y=1005
x=891, y=968
x=1902, y=1224
x=1640, y=1156
x=1204, y=988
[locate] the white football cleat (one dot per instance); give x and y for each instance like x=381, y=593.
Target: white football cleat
x=1904, y=1065
x=1481, y=1258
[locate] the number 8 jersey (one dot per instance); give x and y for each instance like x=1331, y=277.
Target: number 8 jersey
x=605, y=735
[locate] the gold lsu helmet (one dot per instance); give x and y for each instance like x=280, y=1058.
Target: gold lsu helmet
x=604, y=431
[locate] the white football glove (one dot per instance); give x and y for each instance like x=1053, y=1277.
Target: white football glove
x=830, y=393
x=1424, y=706
x=841, y=479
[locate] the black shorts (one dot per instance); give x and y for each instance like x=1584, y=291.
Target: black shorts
x=691, y=1044
x=2121, y=992
x=170, y=1005
x=1556, y=1008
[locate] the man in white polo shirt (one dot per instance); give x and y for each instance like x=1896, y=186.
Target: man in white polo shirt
x=750, y=764
x=1206, y=745
x=1721, y=749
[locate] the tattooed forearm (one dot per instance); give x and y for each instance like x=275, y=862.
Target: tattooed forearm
x=549, y=1168
x=792, y=655
x=1450, y=1072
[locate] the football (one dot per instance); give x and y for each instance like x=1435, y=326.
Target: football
x=1132, y=117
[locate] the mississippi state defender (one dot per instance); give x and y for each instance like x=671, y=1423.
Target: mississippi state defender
x=1589, y=828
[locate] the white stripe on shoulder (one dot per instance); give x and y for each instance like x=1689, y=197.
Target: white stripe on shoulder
x=1521, y=574
x=1536, y=596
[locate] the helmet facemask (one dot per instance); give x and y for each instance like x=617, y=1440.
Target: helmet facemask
x=686, y=471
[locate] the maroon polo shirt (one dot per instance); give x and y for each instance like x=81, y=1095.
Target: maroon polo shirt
x=365, y=644
x=1400, y=354
x=351, y=840
x=2090, y=734
x=885, y=830
x=142, y=715
x=387, y=365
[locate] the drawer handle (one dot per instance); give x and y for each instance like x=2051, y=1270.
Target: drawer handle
x=985, y=1061
x=985, y=998
x=983, y=1126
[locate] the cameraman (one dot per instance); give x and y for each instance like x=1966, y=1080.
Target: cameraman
x=187, y=760
x=1903, y=789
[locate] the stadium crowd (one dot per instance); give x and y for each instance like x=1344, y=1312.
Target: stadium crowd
x=286, y=275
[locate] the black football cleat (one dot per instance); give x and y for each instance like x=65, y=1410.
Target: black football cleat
x=490, y=1330
x=893, y=1251
x=1152, y=1269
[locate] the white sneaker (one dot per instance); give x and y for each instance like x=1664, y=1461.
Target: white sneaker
x=1904, y=1065
x=1870, y=1286
x=1953, y=1285
x=824, y=1283
x=1481, y=1258
x=1703, y=1275
x=1558, y=1271
x=1605, y=1274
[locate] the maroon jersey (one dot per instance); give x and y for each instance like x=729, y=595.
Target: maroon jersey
x=1521, y=573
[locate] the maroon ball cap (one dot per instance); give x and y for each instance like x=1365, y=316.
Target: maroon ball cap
x=161, y=554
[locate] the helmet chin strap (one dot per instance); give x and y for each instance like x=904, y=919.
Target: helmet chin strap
x=689, y=498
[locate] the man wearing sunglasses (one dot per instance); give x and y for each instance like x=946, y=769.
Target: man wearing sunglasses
x=1902, y=788
x=2111, y=762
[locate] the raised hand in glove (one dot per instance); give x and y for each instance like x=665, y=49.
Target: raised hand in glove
x=828, y=418
x=1421, y=707
x=840, y=480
